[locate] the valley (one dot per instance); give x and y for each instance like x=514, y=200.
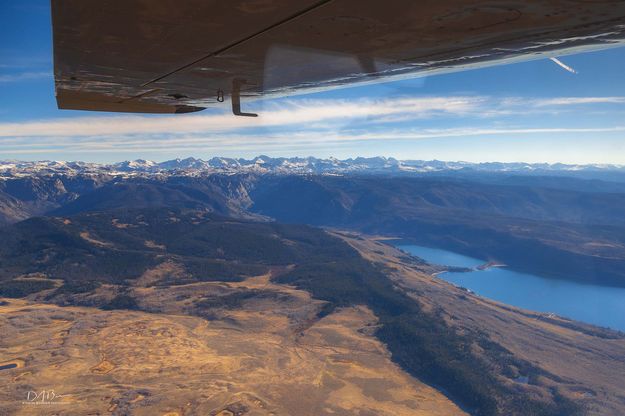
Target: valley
x=533, y=224
x=233, y=293
x=232, y=303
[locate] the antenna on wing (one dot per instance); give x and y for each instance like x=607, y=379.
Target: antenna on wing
x=236, y=98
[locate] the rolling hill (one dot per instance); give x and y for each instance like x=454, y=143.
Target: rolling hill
x=130, y=258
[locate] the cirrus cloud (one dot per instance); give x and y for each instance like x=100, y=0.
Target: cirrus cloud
x=300, y=124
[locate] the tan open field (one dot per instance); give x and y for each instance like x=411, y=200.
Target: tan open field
x=267, y=357
x=268, y=354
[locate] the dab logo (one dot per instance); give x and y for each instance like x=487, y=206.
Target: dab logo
x=45, y=397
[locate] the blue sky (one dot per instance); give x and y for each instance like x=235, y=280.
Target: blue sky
x=532, y=111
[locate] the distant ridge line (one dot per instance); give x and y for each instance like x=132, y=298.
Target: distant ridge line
x=293, y=165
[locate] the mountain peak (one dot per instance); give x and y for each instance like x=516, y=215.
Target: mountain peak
x=295, y=165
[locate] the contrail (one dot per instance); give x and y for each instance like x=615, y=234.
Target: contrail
x=563, y=65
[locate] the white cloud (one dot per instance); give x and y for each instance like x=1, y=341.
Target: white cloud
x=312, y=114
x=24, y=76
x=565, y=101
x=261, y=142
x=287, y=113
x=293, y=124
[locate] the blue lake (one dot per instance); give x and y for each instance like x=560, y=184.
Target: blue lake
x=599, y=305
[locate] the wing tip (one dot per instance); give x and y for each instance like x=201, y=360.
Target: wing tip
x=184, y=109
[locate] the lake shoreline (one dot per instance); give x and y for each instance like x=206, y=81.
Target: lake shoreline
x=599, y=305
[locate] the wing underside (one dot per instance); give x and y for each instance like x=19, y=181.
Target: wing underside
x=165, y=56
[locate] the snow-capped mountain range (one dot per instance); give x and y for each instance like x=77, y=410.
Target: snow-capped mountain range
x=269, y=165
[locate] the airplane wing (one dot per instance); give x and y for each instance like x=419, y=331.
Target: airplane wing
x=178, y=56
